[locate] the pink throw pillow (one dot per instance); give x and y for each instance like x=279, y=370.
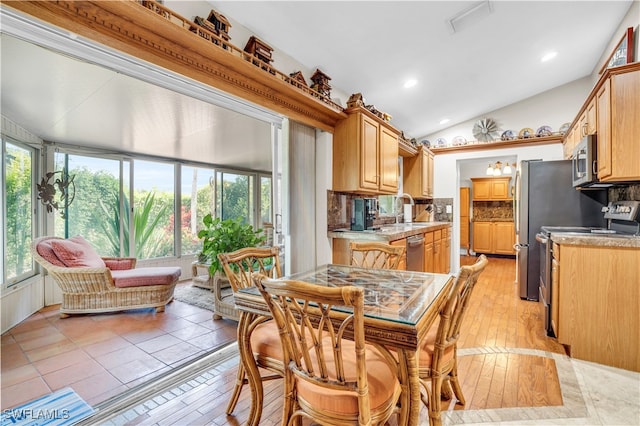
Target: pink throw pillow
x=77, y=252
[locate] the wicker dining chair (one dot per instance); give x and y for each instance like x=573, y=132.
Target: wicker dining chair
x=438, y=358
x=259, y=332
x=332, y=376
x=375, y=254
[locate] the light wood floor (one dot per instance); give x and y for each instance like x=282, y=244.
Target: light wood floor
x=495, y=367
x=499, y=362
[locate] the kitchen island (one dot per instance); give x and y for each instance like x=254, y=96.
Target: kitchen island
x=596, y=282
x=437, y=242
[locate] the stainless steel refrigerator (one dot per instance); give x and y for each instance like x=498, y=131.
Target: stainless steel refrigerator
x=545, y=196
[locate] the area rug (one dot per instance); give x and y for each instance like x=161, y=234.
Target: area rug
x=63, y=407
x=197, y=296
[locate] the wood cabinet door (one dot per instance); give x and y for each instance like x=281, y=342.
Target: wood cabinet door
x=428, y=257
x=500, y=189
x=425, y=179
x=446, y=253
x=503, y=237
x=555, y=300
x=369, y=145
x=591, y=122
x=482, y=237
x=429, y=174
x=625, y=126
x=482, y=190
x=603, y=140
x=388, y=161
x=464, y=232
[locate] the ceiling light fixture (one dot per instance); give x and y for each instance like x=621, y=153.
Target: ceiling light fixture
x=549, y=56
x=469, y=16
x=410, y=83
x=444, y=121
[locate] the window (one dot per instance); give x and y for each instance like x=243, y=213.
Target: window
x=17, y=220
x=234, y=195
x=196, y=202
x=153, y=209
x=265, y=199
x=95, y=212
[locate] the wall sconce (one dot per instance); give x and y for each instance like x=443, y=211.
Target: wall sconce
x=497, y=170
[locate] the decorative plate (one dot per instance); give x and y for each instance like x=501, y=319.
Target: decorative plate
x=564, y=128
x=458, y=140
x=544, y=131
x=485, y=130
x=441, y=142
x=526, y=133
x=426, y=143
x=508, y=135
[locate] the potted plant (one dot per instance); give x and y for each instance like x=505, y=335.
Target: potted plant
x=224, y=236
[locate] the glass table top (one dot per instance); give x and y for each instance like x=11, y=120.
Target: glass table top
x=400, y=296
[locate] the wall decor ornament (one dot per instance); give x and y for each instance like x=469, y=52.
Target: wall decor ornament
x=623, y=52
x=63, y=186
x=485, y=130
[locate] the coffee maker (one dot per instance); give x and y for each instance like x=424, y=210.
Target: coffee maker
x=364, y=212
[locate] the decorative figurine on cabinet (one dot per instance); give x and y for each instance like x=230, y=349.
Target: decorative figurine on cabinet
x=355, y=100
x=220, y=23
x=297, y=76
x=321, y=83
x=260, y=50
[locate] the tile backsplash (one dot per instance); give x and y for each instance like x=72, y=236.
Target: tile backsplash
x=626, y=193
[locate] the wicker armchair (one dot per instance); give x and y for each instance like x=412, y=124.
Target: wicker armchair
x=375, y=254
x=117, y=286
x=438, y=354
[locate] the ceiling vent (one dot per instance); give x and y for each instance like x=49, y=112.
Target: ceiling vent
x=469, y=16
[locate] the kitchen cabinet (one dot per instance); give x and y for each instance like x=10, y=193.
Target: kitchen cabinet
x=490, y=188
x=587, y=121
x=570, y=141
x=441, y=262
x=365, y=154
x=555, y=286
x=418, y=174
x=446, y=252
x=429, y=265
x=598, y=299
x=494, y=237
x=464, y=218
x=618, y=103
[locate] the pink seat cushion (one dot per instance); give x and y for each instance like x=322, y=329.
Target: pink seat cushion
x=428, y=346
x=265, y=341
x=77, y=252
x=381, y=379
x=146, y=276
x=45, y=249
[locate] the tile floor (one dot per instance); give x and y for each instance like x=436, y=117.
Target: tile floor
x=45, y=353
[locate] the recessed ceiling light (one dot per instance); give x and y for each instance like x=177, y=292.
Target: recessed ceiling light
x=444, y=121
x=548, y=56
x=410, y=83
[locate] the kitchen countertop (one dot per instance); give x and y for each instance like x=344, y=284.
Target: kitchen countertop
x=389, y=232
x=581, y=239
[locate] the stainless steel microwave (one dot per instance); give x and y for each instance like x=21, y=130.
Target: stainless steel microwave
x=584, y=162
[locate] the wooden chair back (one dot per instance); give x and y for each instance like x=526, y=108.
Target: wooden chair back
x=375, y=254
x=312, y=337
x=240, y=264
x=452, y=313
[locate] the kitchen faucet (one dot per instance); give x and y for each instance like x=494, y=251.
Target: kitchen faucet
x=400, y=197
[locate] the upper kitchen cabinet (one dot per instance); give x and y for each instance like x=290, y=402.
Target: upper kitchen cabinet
x=490, y=188
x=618, y=126
x=418, y=174
x=365, y=154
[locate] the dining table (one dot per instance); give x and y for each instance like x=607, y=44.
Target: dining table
x=400, y=308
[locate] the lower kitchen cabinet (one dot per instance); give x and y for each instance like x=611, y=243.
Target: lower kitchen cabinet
x=597, y=303
x=437, y=247
x=494, y=237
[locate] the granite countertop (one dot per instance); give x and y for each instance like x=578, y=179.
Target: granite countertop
x=389, y=232
x=581, y=239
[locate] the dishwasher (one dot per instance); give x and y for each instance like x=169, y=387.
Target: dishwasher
x=415, y=253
